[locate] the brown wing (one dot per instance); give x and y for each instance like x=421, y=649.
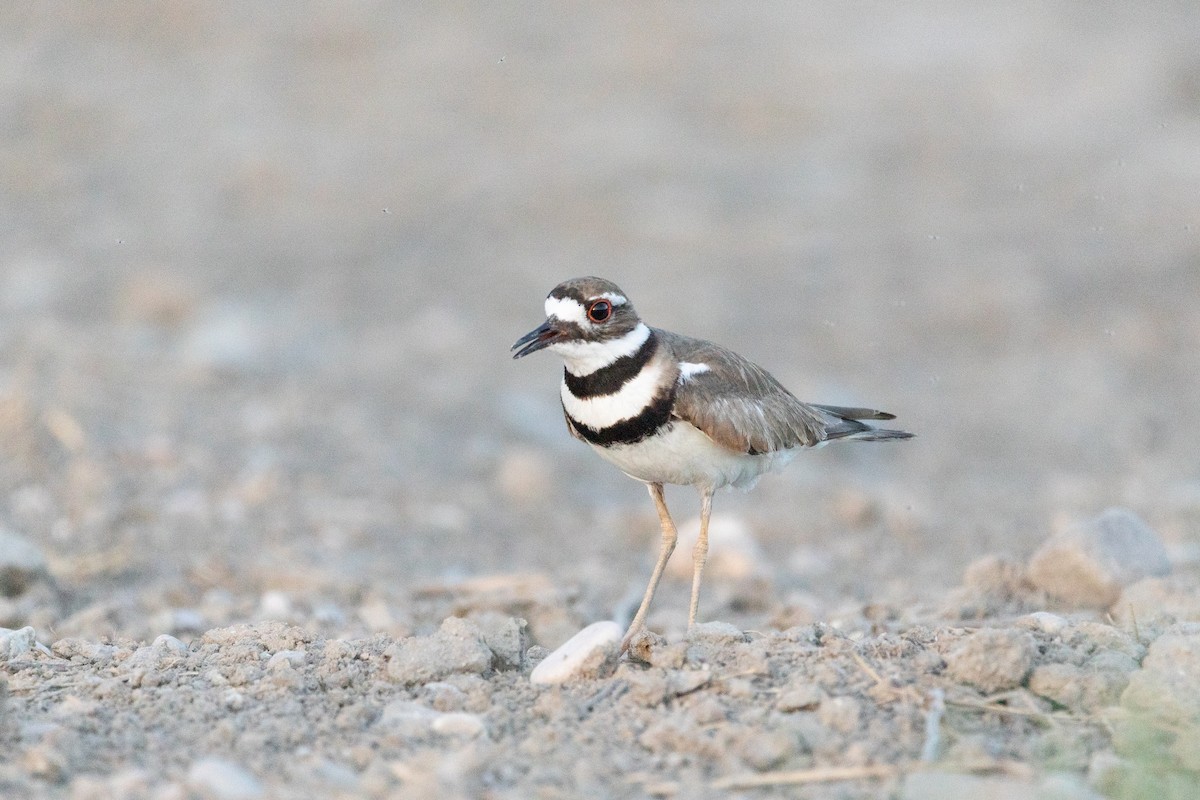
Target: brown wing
x=738, y=403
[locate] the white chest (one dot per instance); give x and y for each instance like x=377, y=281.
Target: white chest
x=681, y=453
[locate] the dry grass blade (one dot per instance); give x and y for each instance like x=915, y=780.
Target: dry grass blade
x=815, y=775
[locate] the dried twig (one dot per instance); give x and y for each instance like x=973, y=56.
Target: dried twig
x=814, y=775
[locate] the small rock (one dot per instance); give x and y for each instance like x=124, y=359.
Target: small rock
x=588, y=654
x=286, y=659
x=221, y=779
x=457, y=647
x=993, y=573
x=840, y=714
x=458, y=723
x=1165, y=687
x=1087, y=566
x=21, y=564
x=1086, y=688
x=16, y=643
x=718, y=633
x=1043, y=621
x=1158, y=601
x=72, y=647
x=993, y=659
x=407, y=718
x=505, y=636
x=443, y=696
x=800, y=697
x=763, y=750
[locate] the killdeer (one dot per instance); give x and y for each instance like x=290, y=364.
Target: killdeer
x=666, y=408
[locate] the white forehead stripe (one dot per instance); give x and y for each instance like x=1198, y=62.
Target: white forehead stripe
x=566, y=310
x=570, y=310
x=584, y=358
x=687, y=369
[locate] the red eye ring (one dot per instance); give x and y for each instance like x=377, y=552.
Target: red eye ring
x=599, y=311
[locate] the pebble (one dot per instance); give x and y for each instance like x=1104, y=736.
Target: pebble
x=457, y=647
x=993, y=573
x=1165, y=686
x=72, y=646
x=507, y=637
x=1087, y=566
x=800, y=697
x=459, y=724
x=16, y=643
x=221, y=779
x=840, y=714
x=720, y=633
x=588, y=654
x=1086, y=688
x=286, y=659
x=1158, y=601
x=764, y=750
x=992, y=659
x=1043, y=621
x=163, y=649
x=21, y=564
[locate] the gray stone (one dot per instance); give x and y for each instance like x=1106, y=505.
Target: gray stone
x=1154, y=602
x=507, y=637
x=457, y=647
x=1087, y=566
x=1165, y=688
x=992, y=659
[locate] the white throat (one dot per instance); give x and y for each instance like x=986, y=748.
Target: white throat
x=584, y=358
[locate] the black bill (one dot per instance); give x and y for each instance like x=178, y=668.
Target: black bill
x=541, y=336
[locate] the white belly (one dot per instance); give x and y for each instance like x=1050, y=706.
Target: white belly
x=681, y=453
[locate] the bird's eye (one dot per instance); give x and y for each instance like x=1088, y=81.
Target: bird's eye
x=600, y=311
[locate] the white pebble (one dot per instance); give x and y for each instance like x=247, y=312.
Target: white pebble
x=458, y=724
x=581, y=656
x=221, y=779
x=274, y=605
x=1044, y=621
x=16, y=643
x=286, y=658
x=168, y=645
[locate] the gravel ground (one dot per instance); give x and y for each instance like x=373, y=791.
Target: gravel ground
x=280, y=518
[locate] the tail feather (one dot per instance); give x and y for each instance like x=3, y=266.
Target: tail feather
x=846, y=412
x=846, y=425
x=879, y=435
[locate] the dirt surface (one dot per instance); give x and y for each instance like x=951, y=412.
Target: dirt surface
x=280, y=518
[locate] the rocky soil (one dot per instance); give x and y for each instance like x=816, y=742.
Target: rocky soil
x=279, y=518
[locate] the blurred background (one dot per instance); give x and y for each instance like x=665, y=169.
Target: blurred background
x=261, y=266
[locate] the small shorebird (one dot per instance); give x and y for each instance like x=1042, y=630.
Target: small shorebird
x=666, y=408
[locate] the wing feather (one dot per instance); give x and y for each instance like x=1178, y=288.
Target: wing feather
x=738, y=404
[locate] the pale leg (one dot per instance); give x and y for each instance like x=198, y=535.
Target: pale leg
x=700, y=553
x=664, y=552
